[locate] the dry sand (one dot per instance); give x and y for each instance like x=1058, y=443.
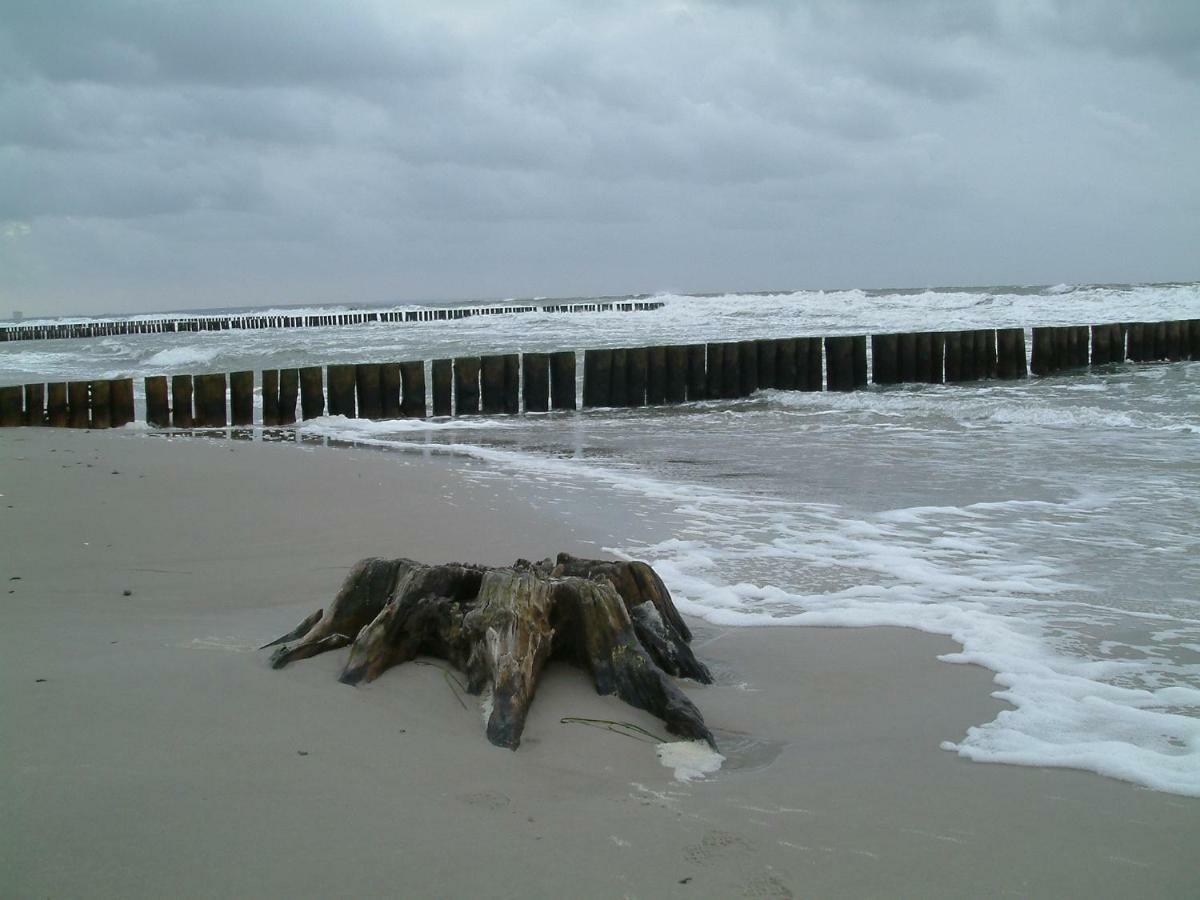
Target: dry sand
x=160, y=756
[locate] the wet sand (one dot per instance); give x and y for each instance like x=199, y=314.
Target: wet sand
x=161, y=756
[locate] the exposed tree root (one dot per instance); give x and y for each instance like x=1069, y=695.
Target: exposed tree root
x=501, y=625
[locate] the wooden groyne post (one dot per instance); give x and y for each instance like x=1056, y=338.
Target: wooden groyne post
x=254, y=321
x=629, y=377
x=466, y=386
x=562, y=380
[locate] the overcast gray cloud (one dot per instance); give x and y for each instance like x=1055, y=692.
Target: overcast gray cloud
x=167, y=154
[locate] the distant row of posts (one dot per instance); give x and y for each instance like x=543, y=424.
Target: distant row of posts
x=172, y=325
x=509, y=384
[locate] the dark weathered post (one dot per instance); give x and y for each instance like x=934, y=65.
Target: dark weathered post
x=747, y=368
x=989, y=353
x=35, y=404
x=121, y=397
x=656, y=376
x=1010, y=353
x=1160, y=340
x=637, y=368
x=157, y=408
x=676, y=372
x=241, y=398
x=466, y=386
x=1118, y=342
x=389, y=391
x=1132, y=333
x=619, y=378
x=77, y=401
x=816, y=364
x=181, y=401
x=731, y=371
x=977, y=368
x=786, y=375
x=937, y=357
x=906, y=359
x=56, y=403
x=1176, y=341
x=200, y=401
x=973, y=356
x=1139, y=351
x=535, y=381
x=215, y=412
x=312, y=393
x=839, y=362
x=11, y=414
x=1064, y=348
x=491, y=377
x=768, y=357
x=1045, y=351
x=597, y=378
x=512, y=383
x=270, y=398
x=562, y=380
x=368, y=390
x=804, y=365
x=412, y=380
x=884, y=358
x=442, y=373
x=922, y=356
x=289, y=390
x=697, y=374
x=1068, y=347
x=954, y=357
x=1083, y=342
x=1080, y=343
x=985, y=353
x=340, y=381
x=714, y=355
x=1102, y=345
x=859, y=360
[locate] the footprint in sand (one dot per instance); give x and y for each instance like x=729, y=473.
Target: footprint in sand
x=486, y=799
x=766, y=886
x=716, y=844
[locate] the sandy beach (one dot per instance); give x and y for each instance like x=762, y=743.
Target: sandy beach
x=149, y=750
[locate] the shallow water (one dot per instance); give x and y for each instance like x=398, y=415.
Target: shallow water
x=1049, y=526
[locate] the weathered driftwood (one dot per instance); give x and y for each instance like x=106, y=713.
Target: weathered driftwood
x=501, y=625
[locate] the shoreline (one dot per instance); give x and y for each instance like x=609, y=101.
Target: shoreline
x=161, y=754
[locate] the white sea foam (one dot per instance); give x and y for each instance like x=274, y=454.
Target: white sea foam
x=690, y=760
x=346, y=429
x=1019, y=403
x=184, y=356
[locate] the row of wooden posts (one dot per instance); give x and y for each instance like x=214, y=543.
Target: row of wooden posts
x=106, y=327
x=638, y=376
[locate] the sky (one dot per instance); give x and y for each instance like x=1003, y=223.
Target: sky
x=177, y=154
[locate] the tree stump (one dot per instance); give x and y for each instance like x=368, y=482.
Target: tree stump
x=501, y=625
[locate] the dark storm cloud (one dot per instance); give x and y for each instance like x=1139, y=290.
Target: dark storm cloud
x=259, y=43
x=1167, y=31
x=381, y=150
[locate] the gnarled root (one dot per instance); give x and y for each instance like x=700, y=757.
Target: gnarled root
x=501, y=626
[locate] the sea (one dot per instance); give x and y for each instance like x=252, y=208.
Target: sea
x=1050, y=527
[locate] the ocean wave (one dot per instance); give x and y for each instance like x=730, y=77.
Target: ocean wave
x=345, y=429
x=187, y=355
x=989, y=403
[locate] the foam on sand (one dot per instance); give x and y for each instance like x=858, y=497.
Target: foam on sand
x=691, y=760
